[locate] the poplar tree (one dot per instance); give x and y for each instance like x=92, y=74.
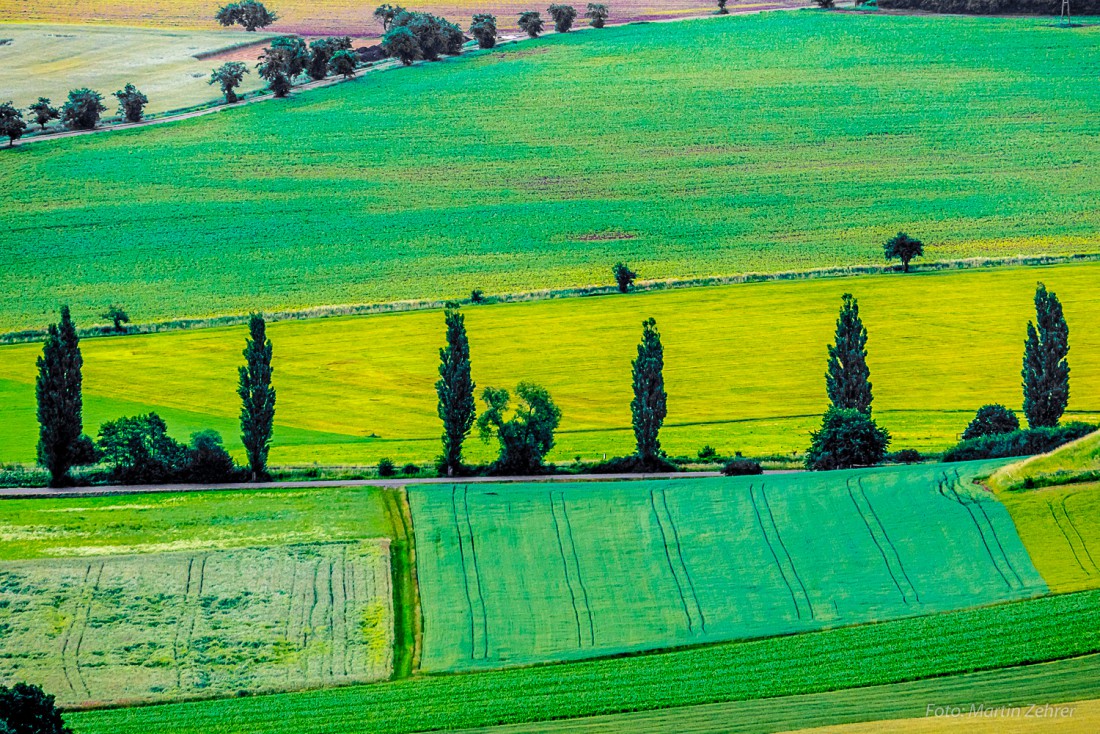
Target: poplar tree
x=648, y=407
x=257, y=397
x=848, y=379
x=1046, y=370
x=456, y=392
x=60, y=405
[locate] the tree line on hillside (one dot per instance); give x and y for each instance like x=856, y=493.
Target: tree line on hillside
x=82, y=111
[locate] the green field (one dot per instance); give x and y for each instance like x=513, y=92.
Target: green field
x=744, y=367
x=215, y=623
x=1074, y=461
x=745, y=143
x=524, y=574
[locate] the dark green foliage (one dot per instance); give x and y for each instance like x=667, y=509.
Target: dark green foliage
x=484, y=29
x=1027, y=442
x=12, y=124
x=60, y=403
x=248, y=14
x=707, y=452
x=85, y=452
x=624, y=276
x=27, y=709
x=82, y=110
x=848, y=379
x=257, y=397
x=1046, y=370
x=434, y=35
x=321, y=52
x=455, y=389
x=722, y=8
x=827, y=4
x=633, y=465
x=385, y=14
x=477, y=296
x=848, y=438
x=597, y=14
x=410, y=470
x=131, y=103
x=530, y=22
x=140, y=451
x=44, y=112
x=343, y=63
x=386, y=468
x=280, y=64
x=993, y=7
x=400, y=43
x=741, y=468
x=905, y=456
x=991, y=420
x=117, y=316
x=563, y=16
x=229, y=76
x=648, y=408
x=903, y=247
x=528, y=435
x=208, y=461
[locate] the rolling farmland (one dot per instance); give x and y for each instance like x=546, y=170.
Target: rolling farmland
x=813, y=137
x=353, y=390
x=523, y=574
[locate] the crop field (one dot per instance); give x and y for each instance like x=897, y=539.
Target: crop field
x=1085, y=717
x=170, y=67
x=523, y=574
x=171, y=626
x=355, y=389
x=1071, y=461
x=812, y=137
x=1043, y=629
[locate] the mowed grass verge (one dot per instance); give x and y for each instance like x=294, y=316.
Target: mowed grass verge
x=746, y=143
x=1043, y=629
x=744, y=367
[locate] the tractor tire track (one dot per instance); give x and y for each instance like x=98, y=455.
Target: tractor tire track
x=465, y=573
x=946, y=486
x=993, y=532
x=331, y=620
x=790, y=560
x=344, y=610
x=83, y=627
x=894, y=548
x=565, y=569
x=683, y=563
x=671, y=567
x=69, y=632
x=1073, y=525
x=775, y=558
x=580, y=577
x=1062, y=530
x=477, y=576
x=878, y=546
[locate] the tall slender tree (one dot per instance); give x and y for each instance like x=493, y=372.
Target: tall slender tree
x=456, y=392
x=648, y=407
x=848, y=379
x=1046, y=369
x=257, y=397
x=60, y=404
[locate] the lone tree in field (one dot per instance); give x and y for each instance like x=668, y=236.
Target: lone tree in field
x=117, y=316
x=597, y=15
x=847, y=438
x=60, y=403
x=456, y=392
x=991, y=420
x=903, y=247
x=648, y=409
x=848, y=378
x=248, y=14
x=722, y=8
x=530, y=22
x=400, y=43
x=229, y=76
x=528, y=435
x=484, y=30
x=257, y=397
x=343, y=63
x=624, y=276
x=27, y=709
x=131, y=103
x=1046, y=370
x=563, y=16
x=385, y=14
x=11, y=122
x=44, y=112
x=82, y=110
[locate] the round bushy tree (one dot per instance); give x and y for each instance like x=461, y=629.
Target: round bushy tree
x=82, y=110
x=484, y=30
x=903, y=247
x=563, y=16
x=624, y=276
x=530, y=22
x=400, y=43
x=131, y=103
x=229, y=76
x=27, y=709
x=11, y=122
x=991, y=420
x=343, y=63
x=848, y=437
x=248, y=14
x=44, y=112
x=597, y=14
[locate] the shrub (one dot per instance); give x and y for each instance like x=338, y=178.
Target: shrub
x=848, y=438
x=208, y=461
x=386, y=468
x=597, y=14
x=563, y=16
x=741, y=468
x=708, y=452
x=634, y=464
x=410, y=469
x=722, y=8
x=484, y=29
x=26, y=709
x=477, y=296
x=991, y=420
x=82, y=110
x=1027, y=442
x=905, y=456
x=140, y=451
x=624, y=276
x=530, y=22
x=85, y=452
x=825, y=3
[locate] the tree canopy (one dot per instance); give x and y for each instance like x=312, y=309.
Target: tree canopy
x=44, y=112
x=648, y=408
x=903, y=247
x=563, y=16
x=847, y=380
x=58, y=391
x=82, y=110
x=131, y=103
x=248, y=14
x=12, y=124
x=455, y=390
x=530, y=22
x=484, y=30
x=229, y=76
x=1046, y=369
x=624, y=276
x=597, y=14
x=528, y=435
x=257, y=397
x=847, y=438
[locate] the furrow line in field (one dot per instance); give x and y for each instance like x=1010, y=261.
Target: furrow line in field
x=580, y=576
x=477, y=576
x=993, y=532
x=775, y=558
x=1073, y=525
x=977, y=526
x=889, y=542
x=874, y=539
x=668, y=559
x=346, y=631
x=331, y=620
x=683, y=563
x=565, y=568
x=69, y=632
x=83, y=627
x=790, y=560
x=465, y=573
x=176, y=627
x=1069, y=541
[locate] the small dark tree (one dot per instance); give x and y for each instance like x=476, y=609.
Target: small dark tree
x=624, y=276
x=140, y=451
x=454, y=38
x=825, y=4
x=563, y=16
x=597, y=14
x=648, y=408
x=848, y=379
x=477, y=296
x=991, y=420
x=343, y=63
x=60, y=403
x=207, y=459
x=257, y=397
x=248, y=14
x=131, y=103
x=903, y=247
x=722, y=8
x=229, y=76
x=44, y=112
x=455, y=389
x=385, y=14
x=27, y=709
x=386, y=468
x=484, y=30
x=847, y=438
x=400, y=43
x=321, y=52
x=431, y=33
x=12, y=124
x=82, y=110
x=528, y=435
x=1046, y=369
x=530, y=22
x=117, y=316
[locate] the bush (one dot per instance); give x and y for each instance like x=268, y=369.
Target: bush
x=530, y=22
x=1027, y=442
x=991, y=420
x=563, y=16
x=140, y=451
x=742, y=468
x=410, y=469
x=848, y=438
x=708, y=452
x=26, y=709
x=477, y=296
x=83, y=109
x=85, y=452
x=624, y=276
x=484, y=29
x=208, y=462
x=386, y=468
x=905, y=456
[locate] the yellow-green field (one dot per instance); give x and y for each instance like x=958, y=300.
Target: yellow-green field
x=744, y=367
x=1074, y=717
x=1080, y=457
x=49, y=60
